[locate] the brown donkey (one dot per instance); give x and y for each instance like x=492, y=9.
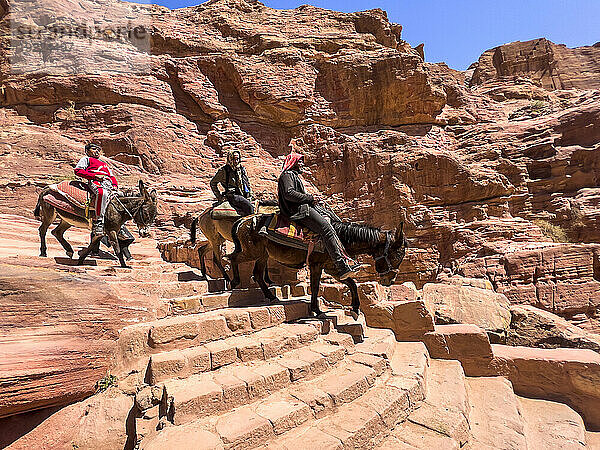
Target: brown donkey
x=217, y=231
x=387, y=248
x=142, y=209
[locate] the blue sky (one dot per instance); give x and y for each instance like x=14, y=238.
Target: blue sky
x=458, y=31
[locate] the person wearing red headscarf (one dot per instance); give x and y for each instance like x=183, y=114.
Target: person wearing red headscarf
x=297, y=205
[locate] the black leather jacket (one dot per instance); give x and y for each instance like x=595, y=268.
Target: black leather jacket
x=293, y=199
x=233, y=181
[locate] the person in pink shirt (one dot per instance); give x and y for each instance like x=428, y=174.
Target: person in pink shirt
x=100, y=181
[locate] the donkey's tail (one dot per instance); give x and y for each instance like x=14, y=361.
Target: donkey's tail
x=38, y=206
x=193, y=230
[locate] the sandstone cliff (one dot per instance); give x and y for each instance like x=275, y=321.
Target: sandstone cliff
x=494, y=172
x=553, y=66
x=480, y=168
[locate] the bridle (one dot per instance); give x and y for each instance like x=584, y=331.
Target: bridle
x=385, y=256
x=133, y=215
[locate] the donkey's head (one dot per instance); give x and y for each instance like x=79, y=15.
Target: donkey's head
x=389, y=255
x=145, y=215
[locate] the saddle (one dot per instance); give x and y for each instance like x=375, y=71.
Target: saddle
x=224, y=210
x=72, y=196
x=286, y=232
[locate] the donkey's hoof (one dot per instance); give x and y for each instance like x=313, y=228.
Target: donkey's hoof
x=44, y=255
x=70, y=255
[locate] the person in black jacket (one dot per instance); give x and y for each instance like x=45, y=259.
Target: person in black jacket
x=297, y=205
x=237, y=191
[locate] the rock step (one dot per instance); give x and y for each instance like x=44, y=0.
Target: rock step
x=523, y=365
x=207, y=394
x=380, y=342
x=208, y=301
x=365, y=421
x=137, y=275
x=344, y=323
x=166, y=290
x=260, y=345
x=495, y=416
x=441, y=420
x=551, y=425
x=314, y=395
x=411, y=436
x=456, y=341
x=446, y=406
x=146, y=262
x=410, y=366
x=568, y=375
x=299, y=385
x=176, y=332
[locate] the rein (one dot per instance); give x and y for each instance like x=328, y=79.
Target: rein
x=138, y=210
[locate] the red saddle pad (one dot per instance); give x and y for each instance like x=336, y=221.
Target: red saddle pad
x=73, y=193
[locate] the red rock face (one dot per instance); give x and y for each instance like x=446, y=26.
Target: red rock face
x=470, y=161
x=554, y=66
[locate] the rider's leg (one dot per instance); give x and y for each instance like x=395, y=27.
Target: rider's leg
x=317, y=223
x=241, y=204
x=98, y=224
x=103, y=197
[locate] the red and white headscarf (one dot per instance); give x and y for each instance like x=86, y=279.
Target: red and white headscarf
x=291, y=160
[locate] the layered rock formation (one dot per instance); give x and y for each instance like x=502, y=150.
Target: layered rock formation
x=494, y=171
x=477, y=173
x=553, y=66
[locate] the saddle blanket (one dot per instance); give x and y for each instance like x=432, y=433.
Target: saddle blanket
x=283, y=231
x=59, y=201
x=70, y=196
x=74, y=191
x=224, y=211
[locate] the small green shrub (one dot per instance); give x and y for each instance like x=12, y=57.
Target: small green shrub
x=106, y=382
x=67, y=114
x=539, y=107
x=554, y=232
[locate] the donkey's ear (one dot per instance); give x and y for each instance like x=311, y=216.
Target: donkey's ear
x=153, y=195
x=143, y=191
x=399, y=232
